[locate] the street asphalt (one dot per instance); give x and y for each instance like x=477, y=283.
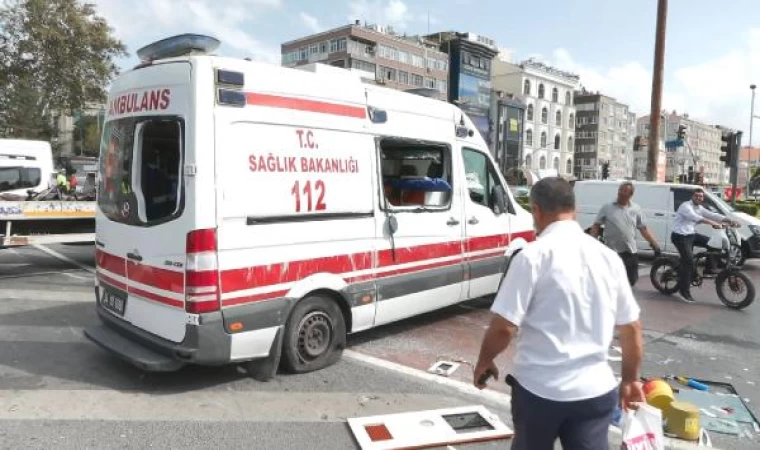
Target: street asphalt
x=57, y=389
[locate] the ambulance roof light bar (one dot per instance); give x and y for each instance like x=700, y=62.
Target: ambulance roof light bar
x=180, y=45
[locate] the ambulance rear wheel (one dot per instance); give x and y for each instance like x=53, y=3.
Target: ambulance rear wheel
x=315, y=335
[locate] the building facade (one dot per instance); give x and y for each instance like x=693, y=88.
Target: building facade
x=398, y=61
x=603, y=134
x=470, y=67
x=702, y=143
x=549, y=131
x=508, y=114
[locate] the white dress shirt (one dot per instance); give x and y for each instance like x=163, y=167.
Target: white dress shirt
x=689, y=215
x=566, y=292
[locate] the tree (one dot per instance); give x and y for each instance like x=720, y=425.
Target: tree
x=56, y=56
x=87, y=135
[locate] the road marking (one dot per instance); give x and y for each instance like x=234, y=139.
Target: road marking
x=48, y=295
x=79, y=277
x=46, y=334
x=210, y=405
x=64, y=258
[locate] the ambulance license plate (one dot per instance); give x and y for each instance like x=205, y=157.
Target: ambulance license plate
x=112, y=302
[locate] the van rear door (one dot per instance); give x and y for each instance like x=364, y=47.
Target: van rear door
x=143, y=219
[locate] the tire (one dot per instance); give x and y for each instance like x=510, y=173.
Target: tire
x=315, y=335
x=669, y=268
x=734, y=280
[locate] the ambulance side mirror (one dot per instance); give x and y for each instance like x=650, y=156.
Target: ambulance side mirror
x=501, y=200
x=392, y=225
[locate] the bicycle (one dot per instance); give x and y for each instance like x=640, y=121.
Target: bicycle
x=729, y=279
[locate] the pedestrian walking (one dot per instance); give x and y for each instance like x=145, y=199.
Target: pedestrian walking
x=621, y=219
x=566, y=293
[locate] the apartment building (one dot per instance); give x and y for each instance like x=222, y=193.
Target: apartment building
x=397, y=61
x=702, y=144
x=604, y=133
x=549, y=126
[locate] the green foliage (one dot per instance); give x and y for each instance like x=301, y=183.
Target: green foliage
x=87, y=135
x=750, y=208
x=56, y=56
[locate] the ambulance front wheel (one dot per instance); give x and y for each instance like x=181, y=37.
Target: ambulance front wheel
x=315, y=335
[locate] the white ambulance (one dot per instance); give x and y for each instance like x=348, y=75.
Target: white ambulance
x=251, y=213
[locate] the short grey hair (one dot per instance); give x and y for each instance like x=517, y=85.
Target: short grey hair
x=553, y=195
x=628, y=183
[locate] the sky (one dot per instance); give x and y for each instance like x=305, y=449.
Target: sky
x=712, y=48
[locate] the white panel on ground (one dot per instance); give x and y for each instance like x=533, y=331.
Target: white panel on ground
x=430, y=428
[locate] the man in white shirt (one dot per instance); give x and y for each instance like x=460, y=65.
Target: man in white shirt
x=566, y=293
x=685, y=237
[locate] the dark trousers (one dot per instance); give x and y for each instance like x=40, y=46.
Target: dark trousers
x=631, y=262
x=579, y=425
x=685, y=244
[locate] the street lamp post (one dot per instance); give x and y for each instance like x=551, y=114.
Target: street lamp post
x=751, y=122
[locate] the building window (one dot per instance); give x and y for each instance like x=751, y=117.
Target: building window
x=528, y=162
x=544, y=115
x=529, y=138
x=570, y=147
x=441, y=86
x=417, y=80
x=543, y=139
x=403, y=77
x=314, y=49
x=558, y=120
x=541, y=90
x=556, y=142
x=542, y=163
x=403, y=57
x=526, y=87
x=571, y=121
x=556, y=164
x=362, y=65
x=430, y=83
x=323, y=47
x=302, y=54
x=555, y=96
x=530, y=112
x=568, y=98
x=569, y=166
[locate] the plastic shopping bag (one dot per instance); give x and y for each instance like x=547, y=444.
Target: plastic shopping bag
x=642, y=429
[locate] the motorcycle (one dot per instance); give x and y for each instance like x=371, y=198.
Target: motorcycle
x=725, y=247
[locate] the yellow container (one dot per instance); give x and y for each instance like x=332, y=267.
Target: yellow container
x=683, y=420
x=658, y=394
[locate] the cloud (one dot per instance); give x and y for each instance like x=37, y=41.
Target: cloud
x=381, y=12
x=715, y=91
x=140, y=22
x=311, y=22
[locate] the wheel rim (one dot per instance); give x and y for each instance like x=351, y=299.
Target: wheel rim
x=734, y=289
x=666, y=277
x=314, y=335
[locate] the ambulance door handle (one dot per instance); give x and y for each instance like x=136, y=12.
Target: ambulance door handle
x=659, y=214
x=473, y=221
x=134, y=257
x=452, y=221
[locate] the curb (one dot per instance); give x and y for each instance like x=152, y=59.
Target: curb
x=615, y=436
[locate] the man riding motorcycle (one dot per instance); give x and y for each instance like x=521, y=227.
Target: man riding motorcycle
x=685, y=237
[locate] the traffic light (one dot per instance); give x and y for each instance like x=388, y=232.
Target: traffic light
x=605, y=171
x=727, y=148
x=681, y=132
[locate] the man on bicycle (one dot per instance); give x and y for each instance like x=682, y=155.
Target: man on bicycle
x=621, y=219
x=684, y=237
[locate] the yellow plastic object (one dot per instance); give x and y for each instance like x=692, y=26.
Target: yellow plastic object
x=683, y=420
x=658, y=394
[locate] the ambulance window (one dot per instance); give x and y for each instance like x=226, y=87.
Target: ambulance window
x=158, y=160
x=415, y=175
x=482, y=178
x=140, y=163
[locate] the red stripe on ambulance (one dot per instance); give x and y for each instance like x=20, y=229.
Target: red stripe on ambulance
x=163, y=279
x=277, y=101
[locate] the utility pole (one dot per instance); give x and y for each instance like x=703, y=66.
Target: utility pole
x=657, y=75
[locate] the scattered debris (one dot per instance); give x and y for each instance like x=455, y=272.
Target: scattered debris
x=13, y=408
x=707, y=413
x=444, y=368
x=364, y=399
x=756, y=427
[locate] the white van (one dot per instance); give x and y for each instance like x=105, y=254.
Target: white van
x=659, y=203
x=25, y=165
x=249, y=211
